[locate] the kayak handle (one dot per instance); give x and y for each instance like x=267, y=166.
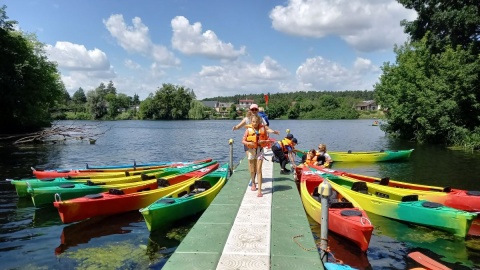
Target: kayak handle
x=57, y=197
x=364, y=218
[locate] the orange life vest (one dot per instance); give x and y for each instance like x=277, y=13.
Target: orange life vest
x=256, y=136
x=310, y=161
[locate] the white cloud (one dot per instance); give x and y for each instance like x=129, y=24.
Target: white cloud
x=322, y=74
x=136, y=39
x=189, y=39
x=366, y=25
x=77, y=57
x=131, y=64
x=80, y=67
x=238, y=77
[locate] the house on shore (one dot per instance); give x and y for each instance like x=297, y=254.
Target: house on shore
x=367, y=105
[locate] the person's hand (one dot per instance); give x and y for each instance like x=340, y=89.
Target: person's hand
x=276, y=132
x=234, y=128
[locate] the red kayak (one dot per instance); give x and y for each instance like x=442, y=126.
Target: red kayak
x=345, y=217
x=123, y=200
x=107, y=173
x=456, y=198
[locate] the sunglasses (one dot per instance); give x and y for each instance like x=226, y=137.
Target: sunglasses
x=254, y=110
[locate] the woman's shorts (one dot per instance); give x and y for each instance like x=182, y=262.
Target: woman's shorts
x=255, y=153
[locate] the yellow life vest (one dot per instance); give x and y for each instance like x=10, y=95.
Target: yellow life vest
x=286, y=142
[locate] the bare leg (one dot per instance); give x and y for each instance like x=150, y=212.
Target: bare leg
x=252, y=166
x=259, y=175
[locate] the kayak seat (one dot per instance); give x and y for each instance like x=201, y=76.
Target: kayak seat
x=147, y=177
x=163, y=182
x=166, y=201
x=341, y=205
x=447, y=189
x=410, y=198
x=384, y=181
x=360, y=187
x=349, y=151
x=431, y=204
x=67, y=186
x=94, y=196
x=473, y=193
x=127, y=173
x=91, y=183
x=201, y=185
x=115, y=191
x=63, y=171
x=47, y=179
x=351, y=213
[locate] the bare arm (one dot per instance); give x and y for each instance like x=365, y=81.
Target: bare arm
x=241, y=124
x=269, y=130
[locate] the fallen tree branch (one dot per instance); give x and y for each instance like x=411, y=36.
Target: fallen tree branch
x=60, y=133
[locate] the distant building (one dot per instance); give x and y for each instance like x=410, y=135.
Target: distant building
x=244, y=103
x=367, y=105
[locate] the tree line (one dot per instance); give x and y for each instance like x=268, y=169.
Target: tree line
x=432, y=91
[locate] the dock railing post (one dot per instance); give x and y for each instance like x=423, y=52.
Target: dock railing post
x=325, y=189
x=230, y=166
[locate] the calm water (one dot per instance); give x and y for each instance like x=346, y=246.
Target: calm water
x=36, y=238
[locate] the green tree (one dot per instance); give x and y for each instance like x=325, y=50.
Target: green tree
x=445, y=23
x=136, y=99
x=432, y=92
x=30, y=85
x=79, y=97
x=431, y=98
x=169, y=102
x=197, y=110
x=96, y=103
x=111, y=88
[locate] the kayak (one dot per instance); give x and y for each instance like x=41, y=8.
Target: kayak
x=186, y=201
x=452, y=197
x=111, y=167
x=371, y=156
x=384, y=201
x=121, y=200
x=41, y=174
x=345, y=217
x=47, y=195
x=22, y=185
x=108, y=173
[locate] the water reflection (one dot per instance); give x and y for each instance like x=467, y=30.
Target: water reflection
x=86, y=230
x=345, y=251
x=450, y=248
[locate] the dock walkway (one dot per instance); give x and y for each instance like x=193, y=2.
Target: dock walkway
x=242, y=231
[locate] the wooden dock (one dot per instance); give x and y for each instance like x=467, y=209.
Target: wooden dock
x=242, y=231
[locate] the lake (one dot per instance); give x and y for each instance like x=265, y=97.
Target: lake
x=32, y=238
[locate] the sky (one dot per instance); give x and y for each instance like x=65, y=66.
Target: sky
x=216, y=47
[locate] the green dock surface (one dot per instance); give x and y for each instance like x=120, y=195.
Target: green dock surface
x=290, y=244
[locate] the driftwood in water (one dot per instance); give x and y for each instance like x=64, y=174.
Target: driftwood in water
x=59, y=133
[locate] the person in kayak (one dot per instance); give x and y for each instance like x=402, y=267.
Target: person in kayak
x=323, y=158
x=285, y=149
x=255, y=138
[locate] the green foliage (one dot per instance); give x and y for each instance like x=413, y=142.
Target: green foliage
x=431, y=98
x=168, y=103
x=445, y=23
x=197, y=110
x=30, y=85
x=432, y=92
x=79, y=96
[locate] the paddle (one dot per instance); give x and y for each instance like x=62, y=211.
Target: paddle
x=426, y=261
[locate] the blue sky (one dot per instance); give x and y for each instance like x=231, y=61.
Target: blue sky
x=216, y=47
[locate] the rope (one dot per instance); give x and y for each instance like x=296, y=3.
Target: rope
x=316, y=248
